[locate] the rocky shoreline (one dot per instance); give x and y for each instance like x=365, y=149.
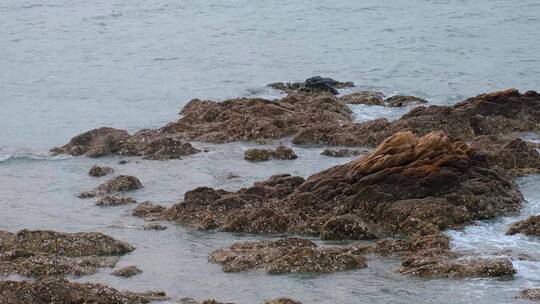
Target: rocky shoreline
x=436, y=168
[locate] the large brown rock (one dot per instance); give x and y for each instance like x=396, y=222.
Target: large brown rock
x=60, y=291
x=120, y=183
x=529, y=226
x=286, y=256
x=406, y=183
x=43, y=253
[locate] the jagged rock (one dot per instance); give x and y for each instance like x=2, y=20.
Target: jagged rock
x=98, y=171
x=42, y=253
x=403, y=101
x=406, y=183
x=316, y=84
x=529, y=226
x=281, y=152
x=61, y=291
x=532, y=294
x=258, y=154
x=121, y=183
x=112, y=200
x=342, y=152
x=286, y=256
x=364, y=97
x=127, y=272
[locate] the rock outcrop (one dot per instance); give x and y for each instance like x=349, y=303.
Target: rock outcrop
x=121, y=183
x=61, y=291
x=98, y=171
x=281, y=152
x=529, y=226
x=44, y=253
x=316, y=84
x=404, y=184
x=286, y=256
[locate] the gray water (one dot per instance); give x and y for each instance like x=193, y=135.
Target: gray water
x=70, y=66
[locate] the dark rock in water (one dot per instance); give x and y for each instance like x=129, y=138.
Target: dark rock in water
x=98, y=171
x=286, y=256
x=532, y=294
x=515, y=155
x=154, y=226
x=43, y=253
x=404, y=184
x=127, y=272
x=94, y=143
x=281, y=152
x=121, y=183
x=193, y=301
x=112, y=200
x=403, y=101
x=147, y=209
x=529, y=226
x=258, y=154
x=123, y=162
x=61, y=291
x=364, y=97
x=282, y=301
x=342, y=152
x=316, y=84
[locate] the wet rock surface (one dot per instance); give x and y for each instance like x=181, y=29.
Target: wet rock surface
x=127, y=272
x=286, y=256
x=406, y=183
x=120, y=183
x=342, y=152
x=281, y=152
x=112, y=200
x=403, y=101
x=364, y=97
x=532, y=294
x=60, y=291
x=315, y=84
x=154, y=226
x=282, y=301
x=98, y=171
x=43, y=253
x=529, y=226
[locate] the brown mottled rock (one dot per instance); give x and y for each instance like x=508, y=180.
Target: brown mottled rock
x=121, y=183
x=532, y=294
x=316, y=84
x=403, y=101
x=345, y=227
x=112, y=200
x=43, y=253
x=286, y=256
x=529, y=226
x=147, y=209
x=258, y=154
x=94, y=143
x=127, y=272
x=342, y=152
x=61, y=291
x=284, y=153
x=193, y=301
x=406, y=183
x=98, y=171
x=364, y=97
x=282, y=301
x=154, y=226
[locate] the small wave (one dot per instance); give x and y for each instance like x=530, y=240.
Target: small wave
x=31, y=157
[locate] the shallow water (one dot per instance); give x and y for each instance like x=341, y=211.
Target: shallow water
x=69, y=66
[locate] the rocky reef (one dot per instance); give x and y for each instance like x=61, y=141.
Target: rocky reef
x=61, y=291
x=286, y=256
x=45, y=253
x=405, y=183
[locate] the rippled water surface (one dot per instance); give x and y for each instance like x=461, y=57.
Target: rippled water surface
x=69, y=66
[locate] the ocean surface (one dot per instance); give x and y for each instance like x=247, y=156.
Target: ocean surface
x=70, y=66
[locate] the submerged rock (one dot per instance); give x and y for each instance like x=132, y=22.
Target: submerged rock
x=127, y=272
x=529, y=226
x=282, y=301
x=403, y=101
x=364, y=97
x=112, y=200
x=316, y=84
x=98, y=171
x=532, y=294
x=342, y=152
x=154, y=226
x=281, y=152
x=404, y=184
x=121, y=183
x=43, y=253
x=94, y=143
x=286, y=256
x=61, y=291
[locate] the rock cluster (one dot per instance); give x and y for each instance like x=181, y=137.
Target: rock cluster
x=404, y=184
x=316, y=84
x=286, y=256
x=61, y=291
x=281, y=152
x=43, y=253
x=529, y=226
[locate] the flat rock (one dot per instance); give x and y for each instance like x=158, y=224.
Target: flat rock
x=532, y=294
x=342, y=152
x=281, y=152
x=529, y=226
x=112, y=200
x=403, y=101
x=364, y=97
x=127, y=272
x=120, y=183
x=286, y=256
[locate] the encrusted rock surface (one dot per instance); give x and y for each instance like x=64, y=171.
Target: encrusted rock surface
x=529, y=226
x=403, y=101
x=281, y=152
x=286, y=256
x=282, y=301
x=60, y=291
x=532, y=294
x=98, y=171
x=42, y=253
x=113, y=200
x=403, y=185
x=127, y=272
x=315, y=84
x=121, y=183
x=364, y=97
x=342, y=152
